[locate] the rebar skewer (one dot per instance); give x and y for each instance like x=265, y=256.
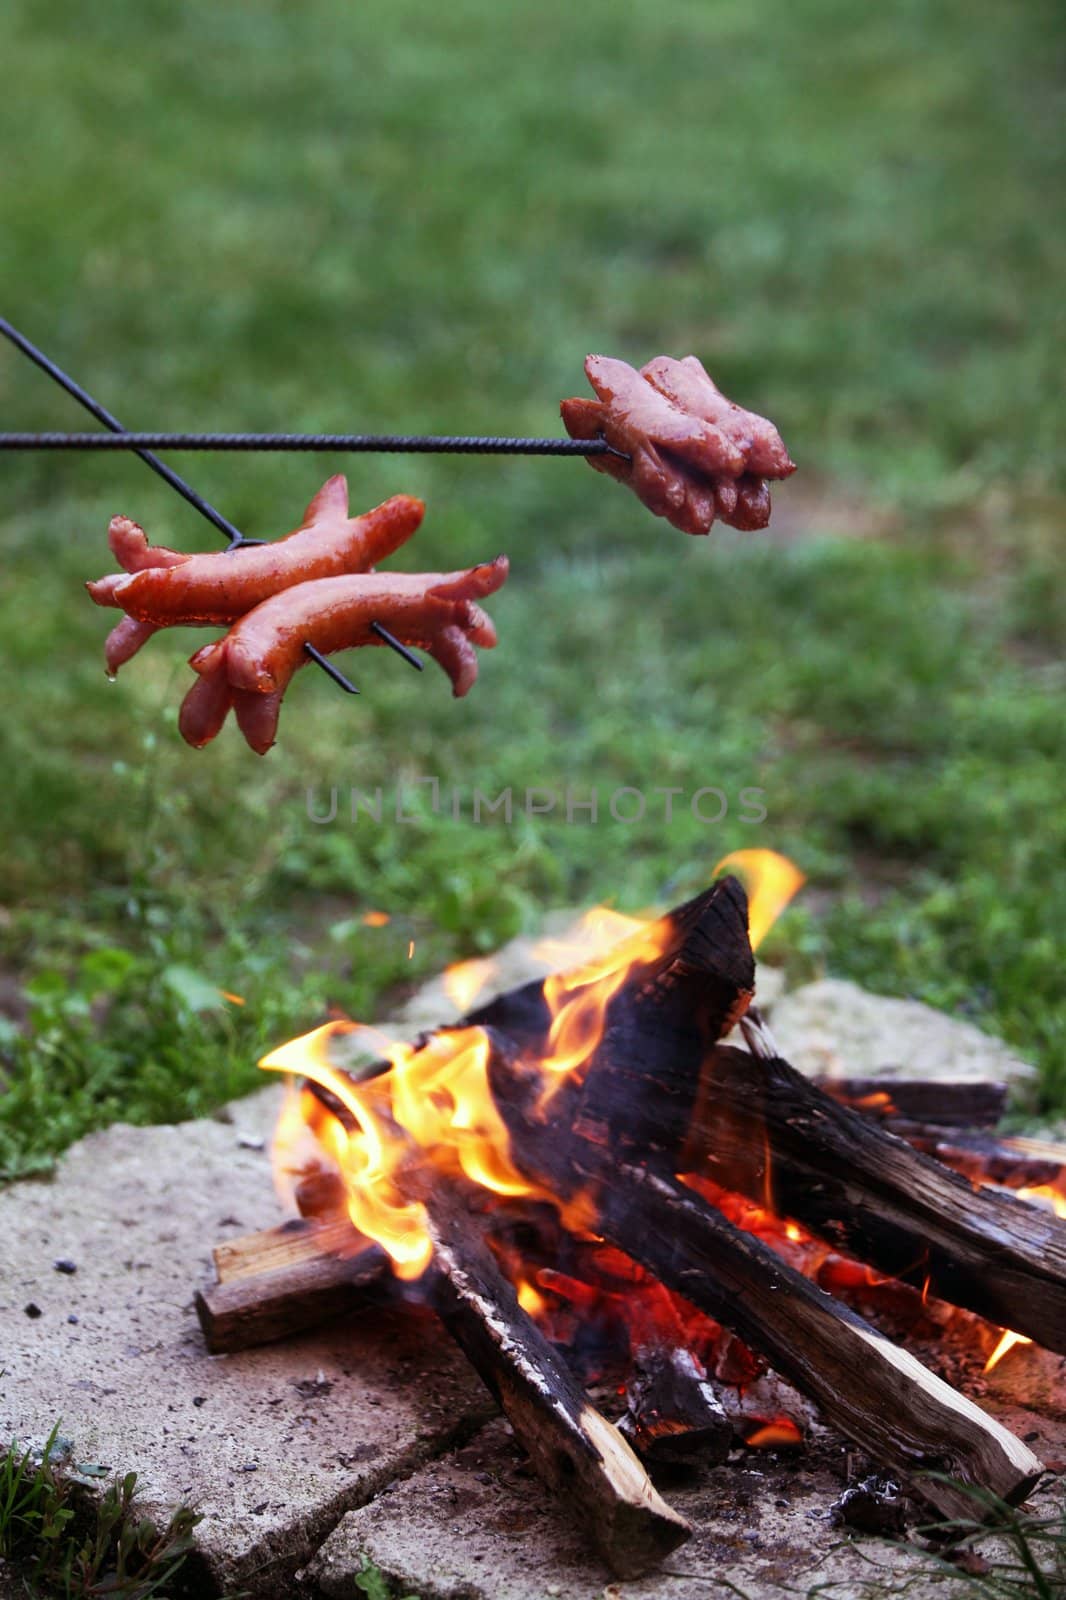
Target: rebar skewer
x=346, y=443
x=118, y=436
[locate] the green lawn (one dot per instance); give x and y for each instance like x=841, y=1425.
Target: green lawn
x=422, y=217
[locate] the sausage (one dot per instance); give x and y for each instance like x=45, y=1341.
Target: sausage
x=218, y=587
x=251, y=667
x=687, y=451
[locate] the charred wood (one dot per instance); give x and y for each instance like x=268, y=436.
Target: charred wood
x=574, y=1448
x=972, y=1103
x=673, y=1415
x=765, y=1131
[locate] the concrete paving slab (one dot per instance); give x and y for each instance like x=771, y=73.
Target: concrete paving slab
x=476, y=1525
x=273, y=1445
x=835, y=1028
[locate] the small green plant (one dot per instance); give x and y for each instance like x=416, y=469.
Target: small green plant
x=109, y=1549
x=372, y=1582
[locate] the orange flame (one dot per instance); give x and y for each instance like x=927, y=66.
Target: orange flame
x=578, y=999
x=433, y=1107
x=434, y=1102
x=1046, y=1195
x=465, y=981
x=1007, y=1342
x=771, y=881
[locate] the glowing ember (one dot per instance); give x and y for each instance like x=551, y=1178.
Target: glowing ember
x=234, y=999
x=781, y=1433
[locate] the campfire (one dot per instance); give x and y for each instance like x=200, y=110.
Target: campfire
x=610, y=1179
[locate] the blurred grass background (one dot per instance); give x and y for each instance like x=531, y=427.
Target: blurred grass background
x=415, y=217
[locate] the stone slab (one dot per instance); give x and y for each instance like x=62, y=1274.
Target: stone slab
x=476, y=1525
x=273, y=1445
x=834, y=1028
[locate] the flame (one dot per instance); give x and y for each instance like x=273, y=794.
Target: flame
x=1007, y=1342
x=376, y=919
x=234, y=999
x=292, y=1145
x=431, y=1106
x=530, y=1298
x=466, y=980
x=1046, y=1195
x=771, y=881
x=433, y=1101
x=578, y=999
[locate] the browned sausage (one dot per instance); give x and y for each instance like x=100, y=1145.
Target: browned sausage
x=217, y=587
x=250, y=669
x=686, y=451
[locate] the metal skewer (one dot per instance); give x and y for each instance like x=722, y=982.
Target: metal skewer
x=118, y=438
x=363, y=443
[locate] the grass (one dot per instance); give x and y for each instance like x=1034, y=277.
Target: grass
x=999, y=1553
x=107, y=1549
x=329, y=217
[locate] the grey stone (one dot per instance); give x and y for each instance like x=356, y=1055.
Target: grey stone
x=476, y=1525
x=139, y=1210
x=834, y=1028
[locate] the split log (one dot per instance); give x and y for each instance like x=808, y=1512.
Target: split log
x=574, y=1448
x=765, y=1131
x=287, y=1279
x=1010, y=1160
x=971, y=1103
x=877, y=1394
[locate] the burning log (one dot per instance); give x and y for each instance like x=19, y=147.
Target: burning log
x=574, y=1448
x=673, y=1414
x=1014, y=1161
x=694, y=980
x=585, y=1091
x=286, y=1279
x=877, y=1394
x=765, y=1131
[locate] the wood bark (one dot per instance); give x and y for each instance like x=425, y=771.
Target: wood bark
x=577, y=1452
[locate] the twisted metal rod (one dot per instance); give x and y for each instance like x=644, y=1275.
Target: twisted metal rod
x=65, y=381
x=397, y=443
x=120, y=438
